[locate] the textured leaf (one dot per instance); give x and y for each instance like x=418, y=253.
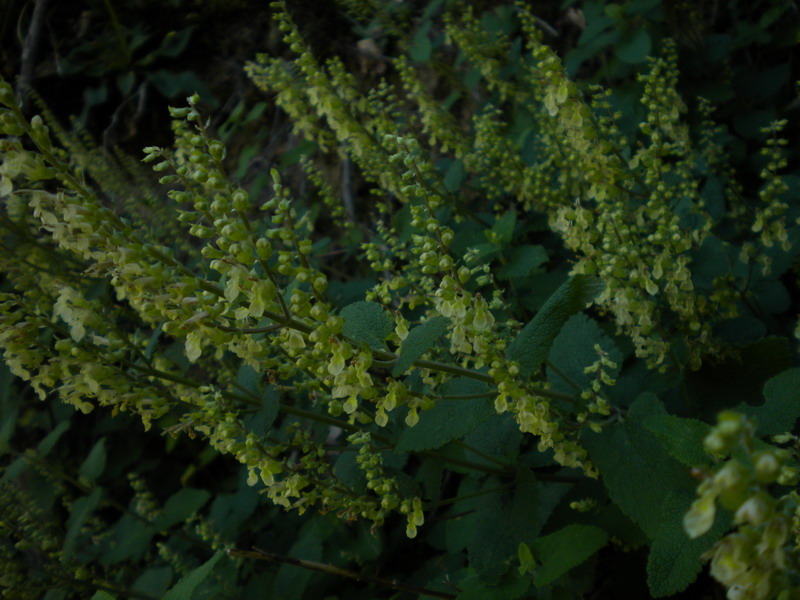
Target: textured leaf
x=420, y=339
x=261, y=421
x=80, y=511
x=635, y=467
x=781, y=407
x=129, y=539
x=507, y=518
x=565, y=549
x=509, y=588
x=504, y=227
x=180, y=506
x=674, y=559
x=185, y=588
x=634, y=47
x=367, y=322
x=682, y=438
x=94, y=464
x=154, y=581
x=523, y=261
x=573, y=350
x=450, y=419
x=532, y=344
x=349, y=473
x=498, y=437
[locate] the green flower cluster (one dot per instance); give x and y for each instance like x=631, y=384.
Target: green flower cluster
x=754, y=562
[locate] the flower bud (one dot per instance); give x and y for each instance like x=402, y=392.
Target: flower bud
x=767, y=467
x=755, y=510
x=701, y=516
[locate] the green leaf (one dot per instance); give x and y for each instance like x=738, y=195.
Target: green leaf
x=349, y=473
x=510, y=587
x=504, y=227
x=504, y=519
x=180, y=506
x=532, y=344
x=781, y=406
x=674, y=559
x=80, y=511
x=573, y=351
x=367, y=323
x=174, y=42
x=94, y=464
x=51, y=439
x=154, y=581
x=565, y=549
x=153, y=341
x=682, y=438
x=171, y=84
x=129, y=539
x=448, y=420
x=635, y=467
x=261, y=421
x=523, y=261
x=525, y=557
x=455, y=176
x=125, y=82
x=185, y=588
x=102, y=595
x=421, y=47
x=634, y=47
x=248, y=379
x=419, y=340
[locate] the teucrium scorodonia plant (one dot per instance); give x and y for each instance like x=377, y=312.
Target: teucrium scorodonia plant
x=574, y=278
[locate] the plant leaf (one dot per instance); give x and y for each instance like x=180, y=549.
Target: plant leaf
x=418, y=342
x=781, y=407
x=367, y=323
x=682, y=438
x=184, y=589
x=507, y=518
x=94, y=464
x=634, y=47
x=565, y=549
x=532, y=344
x=635, y=467
x=573, y=350
x=180, y=506
x=450, y=419
x=674, y=559
x=522, y=261
x=80, y=511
